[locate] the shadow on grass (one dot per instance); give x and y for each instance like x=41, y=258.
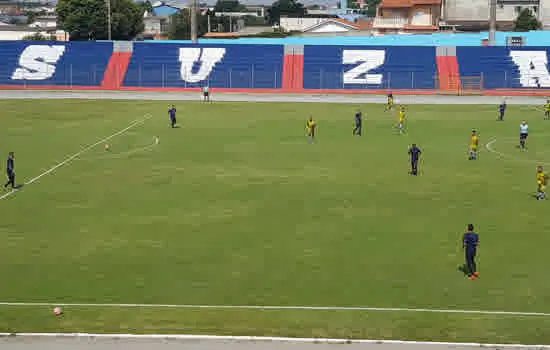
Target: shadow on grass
x=16, y=188
x=463, y=269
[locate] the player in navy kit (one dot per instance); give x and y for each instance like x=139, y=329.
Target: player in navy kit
x=501, y=111
x=172, y=114
x=358, y=124
x=10, y=171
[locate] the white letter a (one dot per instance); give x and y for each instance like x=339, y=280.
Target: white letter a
x=532, y=66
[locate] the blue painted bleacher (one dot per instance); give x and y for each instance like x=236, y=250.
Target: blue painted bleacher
x=220, y=66
x=386, y=67
x=498, y=70
x=53, y=63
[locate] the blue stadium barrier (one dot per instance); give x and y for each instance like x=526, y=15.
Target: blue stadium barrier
x=53, y=63
x=499, y=67
x=178, y=65
x=219, y=66
x=359, y=67
x=535, y=38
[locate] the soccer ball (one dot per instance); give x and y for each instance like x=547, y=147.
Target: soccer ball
x=107, y=147
x=57, y=311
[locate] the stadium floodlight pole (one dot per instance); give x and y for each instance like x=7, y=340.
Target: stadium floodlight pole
x=492, y=21
x=108, y=19
x=194, y=21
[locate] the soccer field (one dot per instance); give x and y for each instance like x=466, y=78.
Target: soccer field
x=237, y=208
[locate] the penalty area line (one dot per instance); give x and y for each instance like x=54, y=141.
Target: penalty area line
x=85, y=149
x=229, y=338
x=272, y=307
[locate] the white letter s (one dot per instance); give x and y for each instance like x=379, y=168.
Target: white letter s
x=37, y=62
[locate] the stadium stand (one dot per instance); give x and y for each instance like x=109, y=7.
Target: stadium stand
x=433, y=64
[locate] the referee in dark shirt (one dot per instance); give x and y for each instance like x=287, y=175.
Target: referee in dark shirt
x=470, y=242
x=10, y=170
x=414, y=153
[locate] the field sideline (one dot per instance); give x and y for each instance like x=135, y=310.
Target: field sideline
x=35, y=341
x=256, y=97
x=494, y=144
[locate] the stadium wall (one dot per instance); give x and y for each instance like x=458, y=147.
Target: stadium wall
x=289, y=68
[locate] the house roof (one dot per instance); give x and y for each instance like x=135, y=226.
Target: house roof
x=364, y=24
x=407, y=3
x=179, y=4
x=339, y=21
x=164, y=10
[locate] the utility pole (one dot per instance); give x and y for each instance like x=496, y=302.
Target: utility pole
x=492, y=22
x=108, y=19
x=194, y=21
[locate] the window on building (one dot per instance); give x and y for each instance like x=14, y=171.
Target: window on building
x=164, y=26
x=518, y=10
x=535, y=9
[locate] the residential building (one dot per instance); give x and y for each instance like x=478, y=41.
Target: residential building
x=299, y=24
x=243, y=32
x=12, y=32
x=407, y=16
x=156, y=23
x=254, y=11
x=155, y=26
x=474, y=14
x=332, y=25
x=46, y=22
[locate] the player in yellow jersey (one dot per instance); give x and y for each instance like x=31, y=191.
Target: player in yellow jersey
x=310, y=128
x=389, y=105
x=547, y=110
x=402, y=117
x=474, y=145
x=542, y=179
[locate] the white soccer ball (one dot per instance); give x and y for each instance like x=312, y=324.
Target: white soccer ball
x=57, y=311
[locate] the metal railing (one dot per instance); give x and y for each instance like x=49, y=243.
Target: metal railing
x=255, y=77
x=389, y=22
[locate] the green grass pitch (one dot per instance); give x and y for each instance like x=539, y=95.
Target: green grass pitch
x=236, y=208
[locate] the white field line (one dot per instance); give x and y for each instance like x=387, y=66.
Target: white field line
x=273, y=307
x=267, y=339
x=489, y=147
x=85, y=149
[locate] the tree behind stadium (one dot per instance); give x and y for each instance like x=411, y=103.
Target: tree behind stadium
x=87, y=19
